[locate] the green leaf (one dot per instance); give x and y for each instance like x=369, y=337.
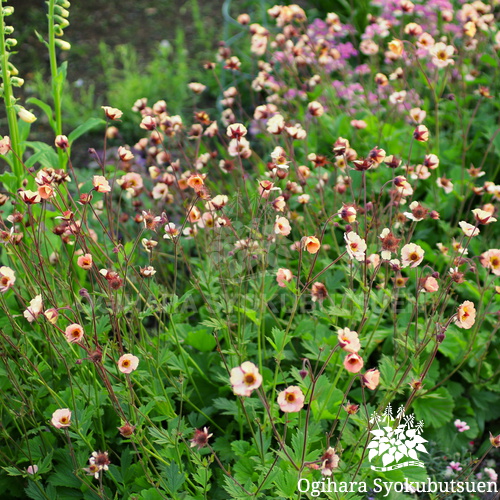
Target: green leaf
x=435, y=409
x=84, y=128
x=487, y=59
x=9, y=180
x=35, y=491
x=250, y=313
x=46, y=109
x=43, y=154
x=201, y=340
x=151, y=494
x=174, y=478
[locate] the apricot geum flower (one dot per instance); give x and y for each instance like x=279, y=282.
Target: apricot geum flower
x=61, y=418
x=7, y=278
x=128, y=363
x=245, y=379
x=34, y=309
x=291, y=399
x=74, y=333
x=466, y=315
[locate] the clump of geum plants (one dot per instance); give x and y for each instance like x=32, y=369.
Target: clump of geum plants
x=220, y=309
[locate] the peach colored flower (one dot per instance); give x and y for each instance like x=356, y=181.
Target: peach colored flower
x=5, y=145
x=283, y=276
x=411, y=255
x=483, y=217
x=61, y=418
x=291, y=400
x=101, y=185
x=128, y=363
x=236, y=131
x=431, y=284
x=74, y=333
x=85, y=261
x=445, y=183
x=51, y=315
x=239, y=147
x=245, y=379
x=371, y=379
x=466, y=315
x=441, y=55
x=7, y=278
x=34, y=309
x=112, y=113
x=349, y=340
x=319, y=292
x=468, y=229
x=491, y=260
x=353, y=362
x=356, y=246
x=282, y=226
x=311, y=244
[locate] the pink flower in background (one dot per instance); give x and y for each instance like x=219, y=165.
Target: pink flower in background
x=282, y=226
x=291, y=399
x=468, y=229
x=356, y=246
x=33, y=469
x=245, y=379
x=61, y=418
x=283, y=276
x=430, y=284
x=101, y=185
x=85, y=261
x=128, y=363
x=461, y=426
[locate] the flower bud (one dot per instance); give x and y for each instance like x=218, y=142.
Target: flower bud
x=10, y=42
x=8, y=30
x=61, y=142
x=62, y=44
x=7, y=11
x=26, y=116
x=16, y=81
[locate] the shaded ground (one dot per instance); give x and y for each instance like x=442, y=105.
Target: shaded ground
x=143, y=23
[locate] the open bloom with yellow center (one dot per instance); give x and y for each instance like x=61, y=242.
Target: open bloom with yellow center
x=411, y=255
x=74, y=333
x=101, y=185
x=491, y=260
x=356, y=246
x=245, y=379
x=348, y=340
x=441, y=55
x=85, y=261
x=483, y=217
x=7, y=278
x=466, y=315
x=291, y=399
x=128, y=363
x=61, y=418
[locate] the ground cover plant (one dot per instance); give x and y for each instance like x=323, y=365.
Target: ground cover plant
x=300, y=284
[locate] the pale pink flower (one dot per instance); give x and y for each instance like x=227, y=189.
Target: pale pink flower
x=112, y=113
x=170, y=231
x=411, y=255
x=282, y=226
x=431, y=284
x=200, y=438
x=466, y=315
x=61, y=418
x=283, y=276
x=101, y=185
x=353, y=363
x=33, y=469
x=329, y=461
x=291, y=399
x=74, y=333
x=371, y=379
x=128, y=363
x=461, y=426
x=245, y=379
x=34, y=309
x=239, y=147
x=7, y=278
x=445, y=183
x=417, y=115
x=236, y=131
x=469, y=229
x=348, y=340
x=359, y=124
x=441, y=55
x=356, y=246
x=85, y=261
x=373, y=259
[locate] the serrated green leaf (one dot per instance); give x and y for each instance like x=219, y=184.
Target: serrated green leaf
x=435, y=409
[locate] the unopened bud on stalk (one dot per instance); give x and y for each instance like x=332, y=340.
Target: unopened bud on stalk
x=61, y=142
x=62, y=44
x=17, y=82
x=61, y=11
x=7, y=11
x=61, y=21
x=26, y=116
x=11, y=42
x=63, y=3
x=8, y=30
